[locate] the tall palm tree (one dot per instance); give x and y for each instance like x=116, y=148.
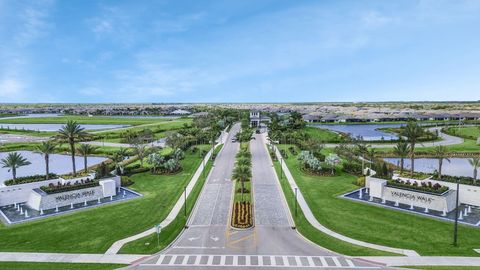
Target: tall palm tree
x=14, y=161
x=440, y=152
x=85, y=150
x=70, y=133
x=402, y=150
x=46, y=148
x=475, y=162
x=242, y=174
x=413, y=132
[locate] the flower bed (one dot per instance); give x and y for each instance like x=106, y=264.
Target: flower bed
x=30, y=179
x=426, y=187
x=242, y=215
x=463, y=179
x=50, y=189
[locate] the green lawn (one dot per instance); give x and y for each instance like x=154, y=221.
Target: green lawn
x=377, y=224
x=27, y=132
x=324, y=135
x=465, y=132
x=151, y=244
x=95, y=230
x=57, y=266
x=318, y=237
x=468, y=146
x=85, y=120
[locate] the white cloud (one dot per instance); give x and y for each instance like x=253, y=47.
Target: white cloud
x=11, y=88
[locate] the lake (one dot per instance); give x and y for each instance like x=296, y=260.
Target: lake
x=456, y=166
x=369, y=132
x=59, y=164
x=55, y=127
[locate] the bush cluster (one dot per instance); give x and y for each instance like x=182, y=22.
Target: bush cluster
x=463, y=179
x=242, y=215
x=428, y=187
x=52, y=188
x=30, y=179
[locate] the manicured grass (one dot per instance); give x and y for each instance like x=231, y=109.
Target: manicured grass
x=57, y=266
x=27, y=132
x=324, y=135
x=95, y=230
x=465, y=132
x=376, y=224
x=61, y=149
x=85, y=120
x=468, y=146
x=316, y=236
x=151, y=244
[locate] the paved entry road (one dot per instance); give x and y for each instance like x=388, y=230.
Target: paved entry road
x=210, y=243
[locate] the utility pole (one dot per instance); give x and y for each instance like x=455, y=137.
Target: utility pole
x=296, y=202
x=185, y=199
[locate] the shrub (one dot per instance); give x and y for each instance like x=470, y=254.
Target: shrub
x=126, y=181
x=424, y=187
x=50, y=189
x=29, y=179
x=102, y=171
x=353, y=168
x=361, y=181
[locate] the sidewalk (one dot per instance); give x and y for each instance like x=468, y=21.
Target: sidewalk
x=68, y=257
x=314, y=222
x=425, y=260
x=176, y=208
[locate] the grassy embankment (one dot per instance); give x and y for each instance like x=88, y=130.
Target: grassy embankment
x=376, y=224
x=472, y=133
x=57, y=266
x=148, y=244
x=324, y=135
x=95, y=230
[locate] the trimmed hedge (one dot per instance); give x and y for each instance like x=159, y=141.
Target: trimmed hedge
x=463, y=179
x=29, y=179
x=424, y=187
x=51, y=189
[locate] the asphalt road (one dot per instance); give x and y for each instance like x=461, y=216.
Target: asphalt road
x=210, y=242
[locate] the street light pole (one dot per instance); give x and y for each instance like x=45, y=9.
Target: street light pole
x=185, y=199
x=455, y=229
x=296, y=203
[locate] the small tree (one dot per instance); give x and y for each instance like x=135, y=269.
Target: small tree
x=475, y=162
x=46, y=148
x=332, y=160
x=85, y=150
x=13, y=161
x=71, y=133
x=440, y=153
x=401, y=150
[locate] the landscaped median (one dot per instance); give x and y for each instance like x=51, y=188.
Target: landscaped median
x=369, y=223
x=242, y=208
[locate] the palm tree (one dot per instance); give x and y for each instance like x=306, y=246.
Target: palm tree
x=85, y=150
x=401, y=150
x=242, y=174
x=46, y=148
x=413, y=132
x=440, y=153
x=141, y=151
x=475, y=162
x=118, y=157
x=14, y=161
x=71, y=133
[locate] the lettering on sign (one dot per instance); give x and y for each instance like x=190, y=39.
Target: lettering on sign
x=411, y=197
x=76, y=195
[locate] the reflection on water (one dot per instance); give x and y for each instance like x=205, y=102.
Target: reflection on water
x=59, y=164
x=367, y=132
x=456, y=166
x=54, y=127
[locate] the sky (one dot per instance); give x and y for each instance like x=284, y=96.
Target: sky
x=239, y=51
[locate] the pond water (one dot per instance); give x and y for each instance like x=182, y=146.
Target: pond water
x=369, y=132
x=456, y=166
x=54, y=127
x=59, y=164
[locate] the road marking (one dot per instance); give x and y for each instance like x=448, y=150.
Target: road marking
x=236, y=262
x=172, y=260
x=160, y=259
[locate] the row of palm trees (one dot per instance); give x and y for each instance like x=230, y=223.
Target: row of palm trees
x=70, y=133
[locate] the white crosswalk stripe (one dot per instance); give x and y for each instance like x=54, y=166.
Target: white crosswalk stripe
x=257, y=261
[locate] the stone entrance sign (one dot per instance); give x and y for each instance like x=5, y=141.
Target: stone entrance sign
x=41, y=200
